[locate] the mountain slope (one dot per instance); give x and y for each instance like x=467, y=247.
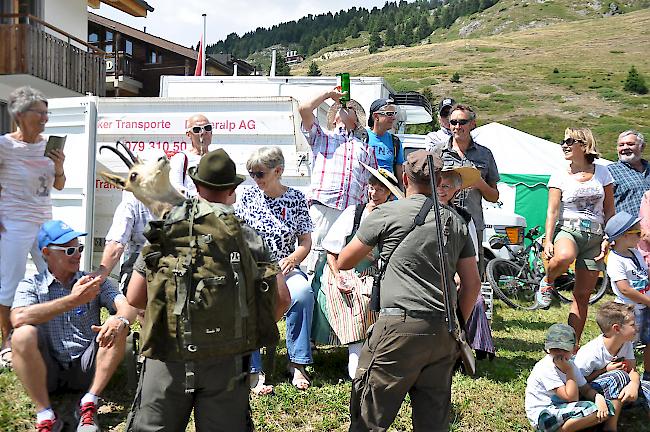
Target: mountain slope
x=511, y=77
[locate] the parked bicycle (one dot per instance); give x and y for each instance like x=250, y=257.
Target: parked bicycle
x=516, y=280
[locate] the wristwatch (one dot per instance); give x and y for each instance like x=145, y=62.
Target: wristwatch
x=124, y=320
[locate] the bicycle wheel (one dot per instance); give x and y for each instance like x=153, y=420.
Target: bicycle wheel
x=564, y=288
x=510, y=285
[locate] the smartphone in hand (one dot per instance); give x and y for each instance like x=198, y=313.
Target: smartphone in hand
x=55, y=143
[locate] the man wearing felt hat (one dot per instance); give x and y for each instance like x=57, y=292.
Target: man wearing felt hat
x=387, y=146
x=58, y=340
x=220, y=397
x=409, y=349
x=339, y=150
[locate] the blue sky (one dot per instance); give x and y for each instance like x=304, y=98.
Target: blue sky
x=180, y=20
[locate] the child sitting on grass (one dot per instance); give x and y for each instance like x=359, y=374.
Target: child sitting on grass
x=554, y=387
x=607, y=362
x=628, y=273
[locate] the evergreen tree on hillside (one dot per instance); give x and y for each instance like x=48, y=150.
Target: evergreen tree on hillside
x=281, y=66
x=317, y=44
x=375, y=43
x=635, y=83
x=313, y=69
x=390, y=37
x=424, y=28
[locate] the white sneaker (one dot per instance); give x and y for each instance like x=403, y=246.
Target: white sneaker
x=544, y=294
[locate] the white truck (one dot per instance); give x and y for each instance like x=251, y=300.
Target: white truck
x=246, y=112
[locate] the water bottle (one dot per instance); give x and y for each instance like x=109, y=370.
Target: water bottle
x=343, y=84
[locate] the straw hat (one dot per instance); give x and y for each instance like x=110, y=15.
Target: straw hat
x=387, y=179
x=351, y=104
x=468, y=175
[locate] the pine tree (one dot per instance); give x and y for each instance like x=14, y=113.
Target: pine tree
x=635, y=83
x=313, y=70
x=375, y=43
x=281, y=66
x=390, y=37
x=424, y=28
x=455, y=78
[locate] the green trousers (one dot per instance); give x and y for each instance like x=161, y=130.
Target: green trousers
x=404, y=355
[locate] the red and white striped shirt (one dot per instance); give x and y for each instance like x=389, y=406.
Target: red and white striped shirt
x=338, y=180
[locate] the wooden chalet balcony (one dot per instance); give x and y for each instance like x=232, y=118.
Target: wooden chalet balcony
x=26, y=48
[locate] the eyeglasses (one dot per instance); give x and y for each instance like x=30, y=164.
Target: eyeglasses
x=570, y=141
x=387, y=113
x=198, y=129
x=634, y=231
x=257, y=174
x=70, y=250
x=461, y=122
x=41, y=113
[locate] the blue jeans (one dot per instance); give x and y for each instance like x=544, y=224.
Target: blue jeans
x=299, y=318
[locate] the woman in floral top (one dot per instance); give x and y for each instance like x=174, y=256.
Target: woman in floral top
x=281, y=216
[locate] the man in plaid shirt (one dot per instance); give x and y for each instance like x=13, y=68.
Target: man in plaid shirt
x=338, y=178
x=631, y=173
x=58, y=340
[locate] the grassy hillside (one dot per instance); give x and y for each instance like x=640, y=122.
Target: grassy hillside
x=540, y=80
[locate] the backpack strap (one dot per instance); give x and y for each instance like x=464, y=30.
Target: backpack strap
x=185, y=164
x=396, y=146
x=358, y=212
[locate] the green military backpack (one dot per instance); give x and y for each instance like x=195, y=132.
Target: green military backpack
x=210, y=286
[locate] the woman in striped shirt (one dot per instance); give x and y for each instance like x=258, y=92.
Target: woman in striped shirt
x=26, y=178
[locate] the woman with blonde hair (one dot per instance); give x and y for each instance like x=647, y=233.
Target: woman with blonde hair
x=580, y=202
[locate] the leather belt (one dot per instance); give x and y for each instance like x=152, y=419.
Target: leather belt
x=395, y=311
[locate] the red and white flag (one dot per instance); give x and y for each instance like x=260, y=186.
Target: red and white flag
x=198, y=70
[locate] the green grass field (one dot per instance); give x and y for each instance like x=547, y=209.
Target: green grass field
x=491, y=401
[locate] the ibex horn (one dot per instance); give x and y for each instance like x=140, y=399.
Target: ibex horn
x=133, y=157
x=128, y=163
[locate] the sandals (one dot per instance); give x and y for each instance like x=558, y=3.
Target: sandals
x=256, y=381
x=299, y=378
x=5, y=358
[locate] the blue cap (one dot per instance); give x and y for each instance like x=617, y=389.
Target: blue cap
x=56, y=232
x=618, y=224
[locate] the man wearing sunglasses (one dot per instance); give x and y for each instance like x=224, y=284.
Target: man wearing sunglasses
x=58, y=340
x=462, y=150
x=199, y=131
x=388, y=148
x=442, y=135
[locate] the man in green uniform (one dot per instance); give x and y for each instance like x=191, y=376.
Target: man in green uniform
x=409, y=349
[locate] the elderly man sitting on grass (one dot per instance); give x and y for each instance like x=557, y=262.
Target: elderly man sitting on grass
x=55, y=315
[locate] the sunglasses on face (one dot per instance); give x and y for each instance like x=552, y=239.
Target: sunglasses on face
x=461, y=122
x=633, y=231
x=257, y=174
x=70, y=250
x=571, y=141
x=387, y=113
x=198, y=129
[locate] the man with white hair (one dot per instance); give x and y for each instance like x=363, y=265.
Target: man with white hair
x=631, y=173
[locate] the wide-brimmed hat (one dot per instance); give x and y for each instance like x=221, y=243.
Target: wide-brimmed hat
x=618, y=224
x=216, y=171
x=468, y=175
x=351, y=104
x=387, y=178
x=56, y=232
x=560, y=336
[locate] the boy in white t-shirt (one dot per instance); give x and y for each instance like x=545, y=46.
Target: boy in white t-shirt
x=554, y=389
x=628, y=273
x=607, y=362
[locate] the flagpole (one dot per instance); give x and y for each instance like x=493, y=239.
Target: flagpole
x=203, y=45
